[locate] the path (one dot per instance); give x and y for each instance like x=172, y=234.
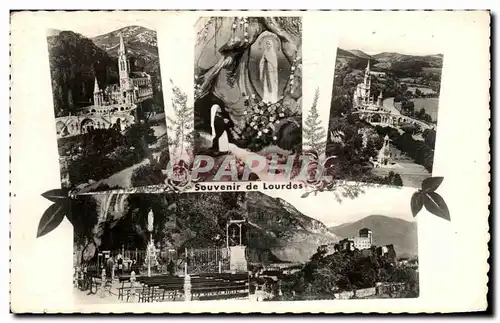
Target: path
x=122, y=179
x=388, y=104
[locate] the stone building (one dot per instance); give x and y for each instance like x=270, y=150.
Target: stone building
x=363, y=241
x=115, y=105
x=362, y=98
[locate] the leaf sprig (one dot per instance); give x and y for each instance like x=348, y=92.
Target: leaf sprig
x=433, y=202
x=55, y=214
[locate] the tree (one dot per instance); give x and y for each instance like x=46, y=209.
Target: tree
x=393, y=179
x=313, y=133
x=430, y=137
x=180, y=127
x=147, y=175
x=140, y=136
x=70, y=100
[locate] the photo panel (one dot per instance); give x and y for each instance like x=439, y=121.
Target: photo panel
x=141, y=248
x=384, y=106
x=324, y=251
x=248, y=87
x=108, y=103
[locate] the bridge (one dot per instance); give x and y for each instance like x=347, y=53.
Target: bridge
x=74, y=125
x=391, y=119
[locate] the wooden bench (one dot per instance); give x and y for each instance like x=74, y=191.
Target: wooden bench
x=220, y=286
x=159, y=288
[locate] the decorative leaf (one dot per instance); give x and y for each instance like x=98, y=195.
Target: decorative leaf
x=416, y=203
x=306, y=194
x=51, y=218
x=56, y=194
x=435, y=204
x=431, y=184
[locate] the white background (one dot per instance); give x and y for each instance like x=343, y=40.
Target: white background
x=465, y=216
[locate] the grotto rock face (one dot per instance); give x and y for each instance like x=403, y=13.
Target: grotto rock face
x=276, y=231
x=228, y=54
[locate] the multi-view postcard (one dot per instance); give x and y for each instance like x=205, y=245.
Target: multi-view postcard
x=250, y=162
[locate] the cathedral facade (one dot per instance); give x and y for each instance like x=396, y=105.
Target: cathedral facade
x=362, y=99
x=114, y=105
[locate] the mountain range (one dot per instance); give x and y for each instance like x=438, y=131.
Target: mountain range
x=389, y=60
x=141, y=44
x=286, y=232
x=386, y=230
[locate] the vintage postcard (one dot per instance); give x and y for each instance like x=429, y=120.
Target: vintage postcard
x=250, y=162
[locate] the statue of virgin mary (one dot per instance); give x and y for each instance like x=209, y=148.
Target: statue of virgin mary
x=269, y=72
x=150, y=220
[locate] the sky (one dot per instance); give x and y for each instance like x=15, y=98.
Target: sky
x=391, y=202
x=104, y=27
x=391, y=33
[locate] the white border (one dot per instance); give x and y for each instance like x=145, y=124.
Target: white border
x=345, y=4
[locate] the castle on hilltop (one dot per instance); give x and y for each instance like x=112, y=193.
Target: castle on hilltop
x=113, y=106
x=362, y=99
x=364, y=240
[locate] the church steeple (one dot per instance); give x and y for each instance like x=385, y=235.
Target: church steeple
x=368, y=82
x=122, y=47
x=123, y=66
x=98, y=99
x=96, y=86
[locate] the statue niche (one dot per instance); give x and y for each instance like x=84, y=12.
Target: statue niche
x=268, y=68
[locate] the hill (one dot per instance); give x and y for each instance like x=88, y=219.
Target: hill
x=386, y=230
x=345, y=53
x=401, y=62
x=141, y=44
x=289, y=234
x=75, y=61
x=361, y=54
x=276, y=230
x=355, y=59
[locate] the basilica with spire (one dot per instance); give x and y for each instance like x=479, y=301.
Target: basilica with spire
x=362, y=98
x=134, y=87
x=113, y=105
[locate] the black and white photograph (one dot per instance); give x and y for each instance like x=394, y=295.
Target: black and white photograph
x=252, y=161
x=334, y=252
x=108, y=104
x=384, y=110
x=161, y=247
x=239, y=245
x=248, y=86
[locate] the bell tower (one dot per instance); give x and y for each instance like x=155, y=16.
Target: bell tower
x=97, y=94
x=368, y=81
x=380, y=98
x=123, y=67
